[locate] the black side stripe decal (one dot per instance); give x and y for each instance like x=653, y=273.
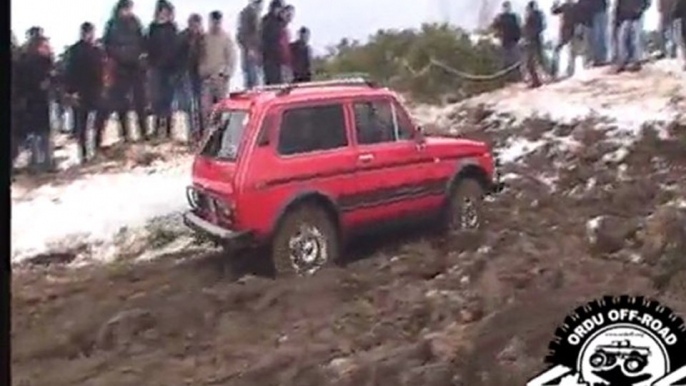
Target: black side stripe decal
x=379, y=197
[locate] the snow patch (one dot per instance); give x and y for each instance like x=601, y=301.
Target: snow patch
x=94, y=210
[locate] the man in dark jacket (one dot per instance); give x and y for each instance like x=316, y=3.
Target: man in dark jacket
x=508, y=30
x=189, y=86
x=534, y=24
x=271, y=34
x=125, y=46
x=162, y=48
x=301, y=56
x=628, y=13
x=33, y=73
x=569, y=23
x=84, y=76
x=249, y=40
x=667, y=28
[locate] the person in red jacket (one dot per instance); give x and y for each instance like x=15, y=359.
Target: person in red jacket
x=285, y=56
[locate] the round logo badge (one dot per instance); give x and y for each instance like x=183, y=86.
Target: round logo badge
x=618, y=341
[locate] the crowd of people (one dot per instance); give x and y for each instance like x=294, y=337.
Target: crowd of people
x=602, y=34
x=148, y=70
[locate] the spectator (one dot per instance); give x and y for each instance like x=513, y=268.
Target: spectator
x=84, y=82
x=217, y=64
x=249, y=41
x=534, y=24
x=285, y=57
x=568, y=12
x=599, y=25
x=667, y=29
x=271, y=34
x=17, y=134
x=629, y=13
x=125, y=46
x=585, y=29
x=508, y=30
x=189, y=86
x=163, y=61
x=302, y=55
x=32, y=85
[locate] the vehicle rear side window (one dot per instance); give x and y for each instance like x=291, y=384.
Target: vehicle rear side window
x=309, y=129
x=379, y=122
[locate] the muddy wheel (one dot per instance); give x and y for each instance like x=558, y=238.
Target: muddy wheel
x=598, y=359
x=634, y=363
x=305, y=242
x=465, y=206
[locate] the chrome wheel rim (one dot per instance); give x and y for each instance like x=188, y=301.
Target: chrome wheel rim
x=469, y=214
x=307, y=250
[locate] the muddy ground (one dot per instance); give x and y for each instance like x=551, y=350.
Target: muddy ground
x=410, y=309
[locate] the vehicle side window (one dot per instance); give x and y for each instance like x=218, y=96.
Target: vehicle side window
x=374, y=122
x=405, y=126
x=309, y=129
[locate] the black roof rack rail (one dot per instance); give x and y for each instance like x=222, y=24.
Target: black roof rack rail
x=285, y=89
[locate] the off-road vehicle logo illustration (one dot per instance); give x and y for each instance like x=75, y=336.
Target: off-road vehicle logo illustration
x=617, y=341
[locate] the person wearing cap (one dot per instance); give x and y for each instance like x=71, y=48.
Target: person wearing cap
x=125, y=46
x=84, y=82
x=302, y=57
x=189, y=85
x=248, y=38
x=216, y=64
x=163, y=61
x=270, y=43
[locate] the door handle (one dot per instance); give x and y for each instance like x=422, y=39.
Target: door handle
x=366, y=158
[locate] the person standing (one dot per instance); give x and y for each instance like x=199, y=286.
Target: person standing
x=534, y=24
x=84, y=82
x=32, y=85
x=302, y=57
x=285, y=56
x=599, y=25
x=270, y=37
x=189, y=85
x=629, y=14
x=508, y=30
x=216, y=64
x=125, y=46
x=248, y=38
x=667, y=28
x=163, y=61
x=568, y=12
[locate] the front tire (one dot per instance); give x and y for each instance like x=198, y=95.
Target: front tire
x=465, y=206
x=306, y=241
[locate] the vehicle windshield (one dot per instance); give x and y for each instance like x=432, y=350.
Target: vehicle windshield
x=226, y=133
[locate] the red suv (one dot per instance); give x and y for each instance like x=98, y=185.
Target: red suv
x=301, y=168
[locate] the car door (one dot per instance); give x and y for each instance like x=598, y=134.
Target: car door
x=309, y=149
x=390, y=164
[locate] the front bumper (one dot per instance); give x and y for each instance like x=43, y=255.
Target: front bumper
x=215, y=233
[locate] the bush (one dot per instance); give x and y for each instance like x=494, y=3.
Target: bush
x=388, y=54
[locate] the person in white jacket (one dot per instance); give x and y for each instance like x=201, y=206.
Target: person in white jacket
x=217, y=64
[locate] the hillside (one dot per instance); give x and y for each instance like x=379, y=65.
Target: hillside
x=596, y=168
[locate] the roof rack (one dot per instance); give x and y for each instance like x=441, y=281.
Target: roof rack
x=285, y=89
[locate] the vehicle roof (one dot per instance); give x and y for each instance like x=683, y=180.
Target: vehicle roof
x=297, y=95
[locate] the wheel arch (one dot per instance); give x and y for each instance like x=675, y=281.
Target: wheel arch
x=468, y=168
x=314, y=197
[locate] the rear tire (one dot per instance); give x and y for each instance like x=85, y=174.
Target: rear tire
x=305, y=241
x=465, y=206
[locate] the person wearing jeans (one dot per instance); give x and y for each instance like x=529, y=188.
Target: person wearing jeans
x=667, y=29
x=599, y=25
x=189, y=85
